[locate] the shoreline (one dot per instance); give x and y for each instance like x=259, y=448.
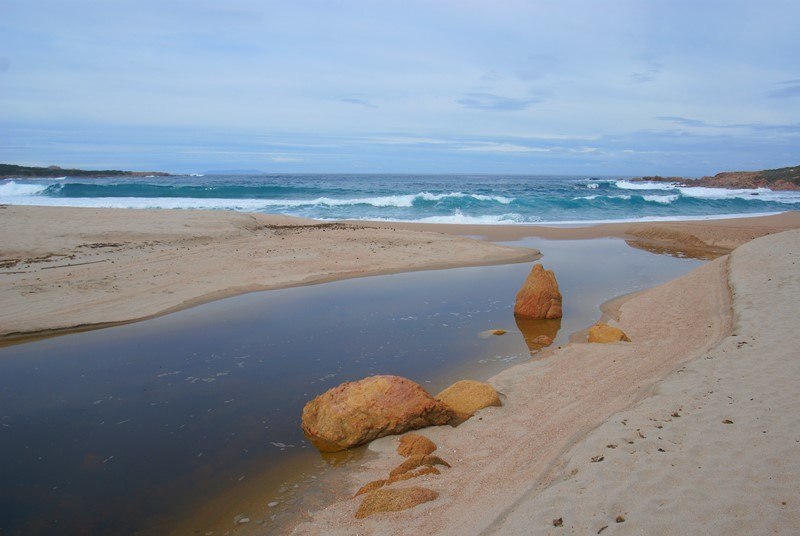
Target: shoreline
x=520, y=444
x=232, y=253
x=196, y=257
x=513, y=470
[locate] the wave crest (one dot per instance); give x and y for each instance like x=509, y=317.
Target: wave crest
x=12, y=188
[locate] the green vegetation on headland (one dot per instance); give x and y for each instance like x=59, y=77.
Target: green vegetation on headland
x=10, y=171
x=787, y=178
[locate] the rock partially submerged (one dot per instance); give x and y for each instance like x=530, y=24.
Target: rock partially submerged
x=604, y=333
x=465, y=397
x=393, y=500
x=355, y=413
x=539, y=296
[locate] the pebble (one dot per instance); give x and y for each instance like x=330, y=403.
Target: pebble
x=272, y=504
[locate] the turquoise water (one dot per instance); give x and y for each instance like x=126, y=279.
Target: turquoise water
x=424, y=198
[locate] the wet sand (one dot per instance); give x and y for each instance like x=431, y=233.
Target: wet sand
x=690, y=428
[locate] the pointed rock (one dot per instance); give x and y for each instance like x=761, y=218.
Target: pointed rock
x=539, y=296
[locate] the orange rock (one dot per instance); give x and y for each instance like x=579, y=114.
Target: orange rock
x=498, y=332
x=539, y=296
x=355, y=413
x=417, y=461
x=366, y=488
x=415, y=445
x=428, y=470
x=605, y=333
x=393, y=500
x=465, y=397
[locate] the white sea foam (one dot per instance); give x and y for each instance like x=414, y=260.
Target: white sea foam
x=27, y=194
x=663, y=199
x=748, y=194
x=511, y=219
x=459, y=217
x=629, y=185
x=12, y=188
x=595, y=196
x=592, y=185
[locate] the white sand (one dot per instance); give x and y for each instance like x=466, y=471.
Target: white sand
x=517, y=468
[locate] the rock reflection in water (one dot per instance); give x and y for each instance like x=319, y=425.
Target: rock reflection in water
x=533, y=330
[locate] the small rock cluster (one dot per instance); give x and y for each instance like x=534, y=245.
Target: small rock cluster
x=358, y=412
x=419, y=461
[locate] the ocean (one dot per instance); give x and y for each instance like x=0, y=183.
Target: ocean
x=479, y=199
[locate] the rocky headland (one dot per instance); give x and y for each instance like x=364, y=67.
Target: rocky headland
x=787, y=178
x=11, y=171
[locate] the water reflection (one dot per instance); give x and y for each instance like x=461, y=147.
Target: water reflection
x=538, y=334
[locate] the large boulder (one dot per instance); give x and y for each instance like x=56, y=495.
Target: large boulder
x=539, y=296
x=465, y=397
x=604, y=333
x=355, y=413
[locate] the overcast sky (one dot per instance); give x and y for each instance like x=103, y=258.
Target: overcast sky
x=561, y=87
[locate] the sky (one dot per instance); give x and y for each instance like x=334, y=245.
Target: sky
x=612, y=87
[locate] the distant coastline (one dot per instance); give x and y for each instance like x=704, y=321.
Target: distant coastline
x=11, y=171
x=787, y=178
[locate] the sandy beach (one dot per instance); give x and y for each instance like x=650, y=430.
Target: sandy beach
x=66, y=268
x=72, y=268
x=702, y=399
x=689, y=428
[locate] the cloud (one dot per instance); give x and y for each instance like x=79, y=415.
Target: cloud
x=493, y=147
x=650, y=73
x=761, y=127
x=357, y=102
x=496, y=103
x=284, y=159
x=786, y=89
x=684, y=121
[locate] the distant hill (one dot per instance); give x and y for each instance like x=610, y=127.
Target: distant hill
x=787, y=178
x=10, y=171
